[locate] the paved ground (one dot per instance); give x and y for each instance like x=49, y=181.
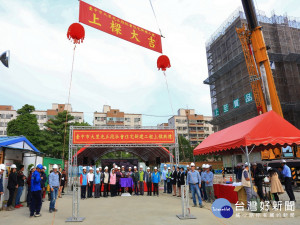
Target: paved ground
x=133, y=210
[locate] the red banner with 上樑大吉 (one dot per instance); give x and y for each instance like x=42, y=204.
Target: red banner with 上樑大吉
x=110, y=24
x=123, y=136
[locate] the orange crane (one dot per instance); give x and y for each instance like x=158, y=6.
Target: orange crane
x=258, y=64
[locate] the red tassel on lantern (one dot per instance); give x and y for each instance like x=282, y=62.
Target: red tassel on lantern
x=163, y=63
x=76, y=32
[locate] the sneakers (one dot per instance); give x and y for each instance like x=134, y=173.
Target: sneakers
x=17, y=206
x=201, y=206
x=37, y=215
x=50, y=210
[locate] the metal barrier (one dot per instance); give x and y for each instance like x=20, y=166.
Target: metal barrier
x=186, y=214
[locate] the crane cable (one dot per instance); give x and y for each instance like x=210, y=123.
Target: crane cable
x=156, y=19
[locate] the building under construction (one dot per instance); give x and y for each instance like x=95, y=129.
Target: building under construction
x=231, y=94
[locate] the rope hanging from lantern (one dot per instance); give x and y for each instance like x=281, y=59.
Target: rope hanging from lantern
x=156, y=19
x=168, y=92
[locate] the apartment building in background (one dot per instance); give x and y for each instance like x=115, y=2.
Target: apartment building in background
x=44, y=115
x=193, y=127
x=7, y=113
x=114, y=117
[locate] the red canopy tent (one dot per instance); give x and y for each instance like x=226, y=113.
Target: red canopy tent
x=263, y=130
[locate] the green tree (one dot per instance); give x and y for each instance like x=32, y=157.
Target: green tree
x=25, y=124
x=55, y=138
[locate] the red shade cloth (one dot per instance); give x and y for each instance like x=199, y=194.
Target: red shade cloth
x=227, y=192
x=266, y=129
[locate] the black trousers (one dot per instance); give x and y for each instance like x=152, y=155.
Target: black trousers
x=130, y=190
x=118, y=188
x=28, y=198
x=276, y=197
x=11, y=196
x=288, y=188
x=260, y=189
x=90, y=189
x=97, y=191
x=169, y=187
x=101, y=187
x=113, y=191
x=36, y=202
x=149, y=188
x=136, y=188
x=83, y=191
x=155, y=187
x=105, y=191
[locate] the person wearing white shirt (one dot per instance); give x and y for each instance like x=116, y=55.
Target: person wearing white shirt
x=90, y=180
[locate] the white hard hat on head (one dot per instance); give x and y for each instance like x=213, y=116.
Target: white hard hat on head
x=97, y=169
x=134, y=167
x=246, y=164
x=2, y=167
x=122, y=166
x=55, y=166
x=165, y=165
x=45, y=168
x=192, y=164
x=141, y=166
x=203, y=165
x=31, y=168
x=187, y=166
x=116, y=167
x=119, y=168
x=84, y=168
x=129, y=167
x=13, y=166
x=283, y=161
x=91, y=168
x=155, y=168
x=106, y=168
x=268, y=168
x=148, y=168
x=169, y=168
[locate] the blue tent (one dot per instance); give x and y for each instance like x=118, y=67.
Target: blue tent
x=18, y=142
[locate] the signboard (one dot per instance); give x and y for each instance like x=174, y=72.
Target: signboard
x=225, y=108
x=123, y=136
x=236, y=103
x=248, y=97
x=217, y=112
x=113, y=25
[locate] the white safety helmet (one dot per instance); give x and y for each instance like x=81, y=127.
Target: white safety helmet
x=100, y=167
x=2, y=167
x=97, y=169
x=165, y=165
x=31, y=168
x=129, y=167
x=169, y=168
x=246, y=164
x=45, y=168
x=155, y=168
x=141, y=166
x=55, y=166
x=148, y=168
x=116, y=167
x=203, y=165
x=84, y=168
x=134, y=167
x=192, y=164
x=122, y=166
x=187, y=166
x=268, y=168
x=106, y=168
x=283, y=161
x=119, y=168
x=91, y=168
x=13, y=166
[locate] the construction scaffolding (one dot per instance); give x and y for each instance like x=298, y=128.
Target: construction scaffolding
x=228, y=74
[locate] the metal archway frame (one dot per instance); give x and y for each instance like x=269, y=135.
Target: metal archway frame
x=73, y=169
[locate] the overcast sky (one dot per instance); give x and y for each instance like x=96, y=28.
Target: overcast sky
x=109, y=70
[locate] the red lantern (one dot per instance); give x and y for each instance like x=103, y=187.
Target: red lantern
x=76, y=32
x=163, y=63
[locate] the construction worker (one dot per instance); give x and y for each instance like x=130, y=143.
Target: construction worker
x=141, y=180
x=202, y=189
x=123, y=174
x=43, y=182
x=119, y=175
x=112, y=183
x=155, y=180
x=208, y=178
x=178, y=181
x=54, y=187
x=169, y=184
x=83, y=181
x=286, y=172
x=148, y=180
x=21, y=180
x=97, y=183
x=90, y=181
x=135, y=177
x=106, y=178
x=164, y=177
x=2, y=169
x=12, y=186
x=29, y=186
x=194, y=180
x=246, y=183
x=129, y=174
x=101, y=180
x=36, y=194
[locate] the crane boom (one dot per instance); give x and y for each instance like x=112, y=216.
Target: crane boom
x=256, y=41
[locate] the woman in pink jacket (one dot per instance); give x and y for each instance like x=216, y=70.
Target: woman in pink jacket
x=112, y=182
